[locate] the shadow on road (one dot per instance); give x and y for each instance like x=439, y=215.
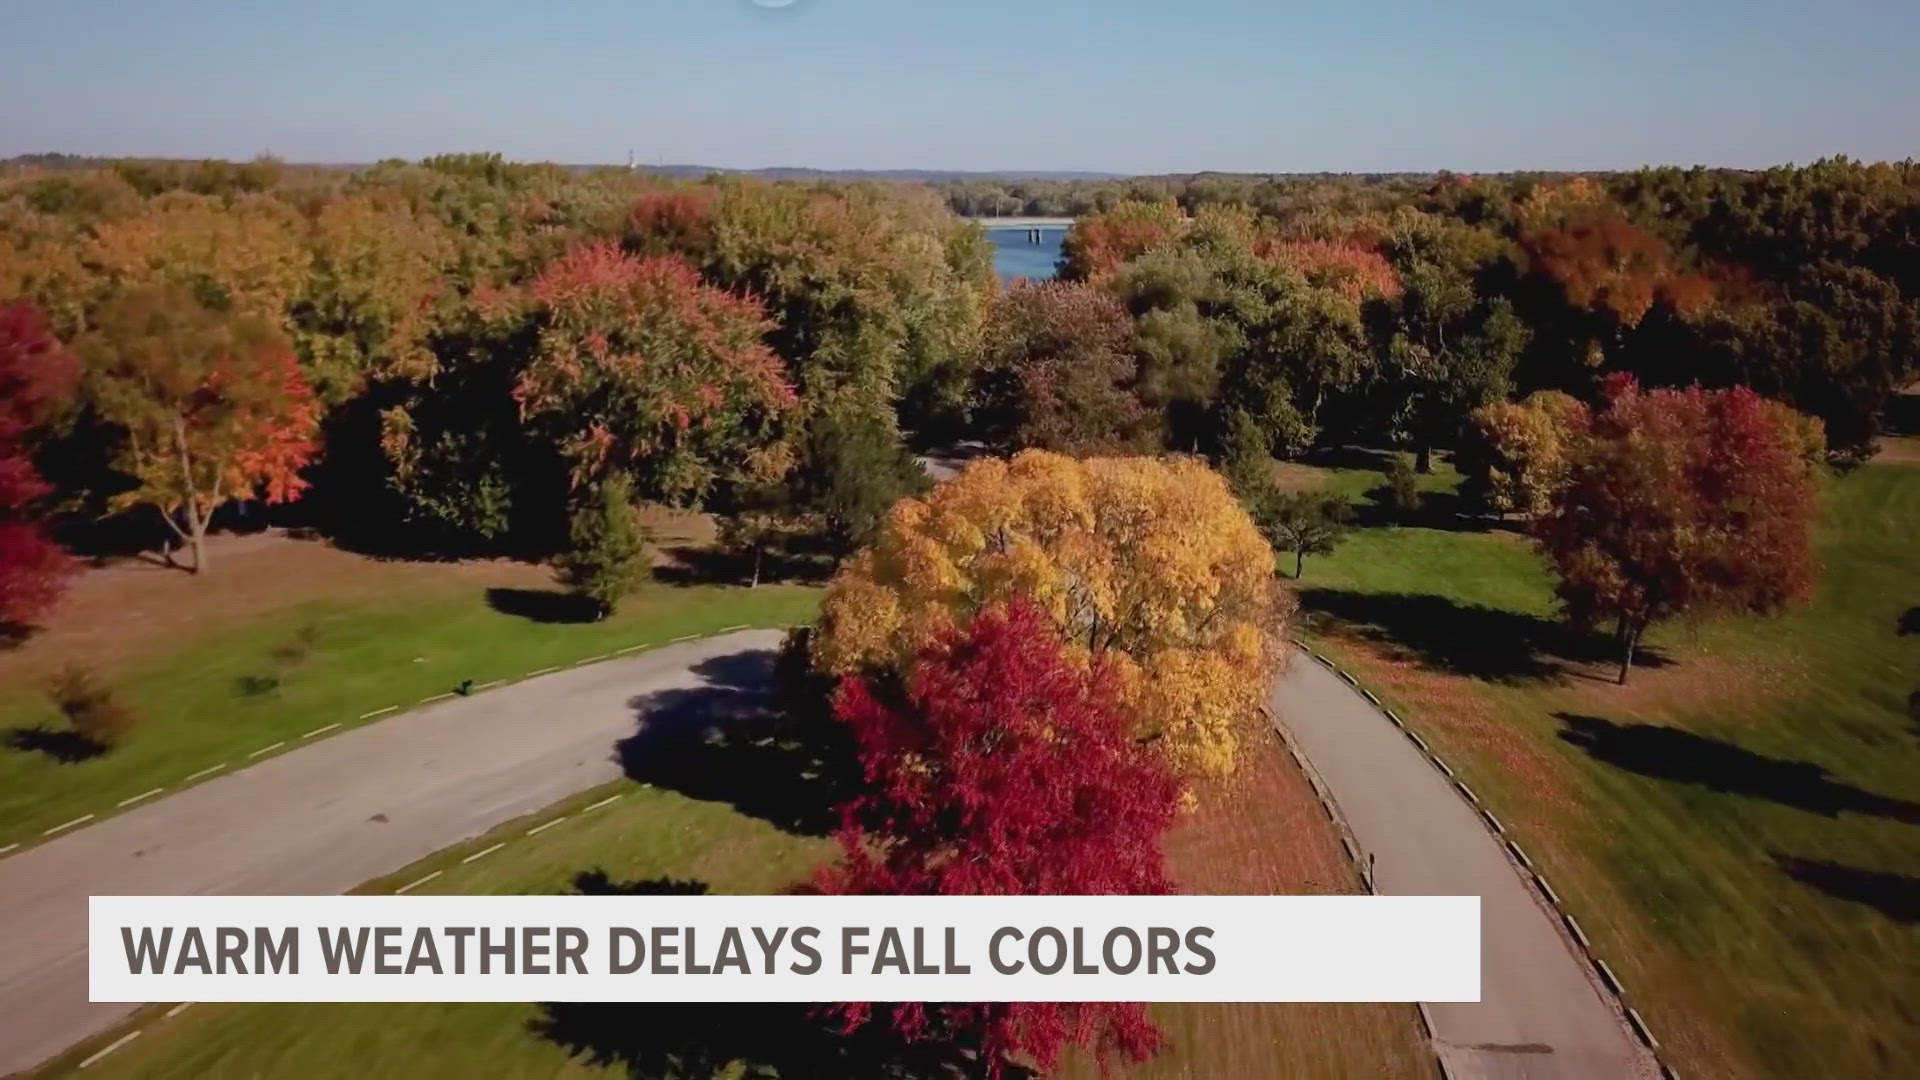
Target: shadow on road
x=724, y=741
x=1465, y=639
x=690, y=1039
x=1897, y=896
x=1667, y=753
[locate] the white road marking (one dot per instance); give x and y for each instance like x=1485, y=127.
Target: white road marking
x=209, y=771
x=111, y=1047
x=548, y=825
x=68, y=825
x=601, y=803
x=631, y=648
x=379, y=712
x=411, y=885
x=319, y=731
x=591, y=660
x=142, y=795
x=177, y=1010
x=436, y=697
x=483, y=852
x=730, y=629
x=542, y=671
x=268, y=749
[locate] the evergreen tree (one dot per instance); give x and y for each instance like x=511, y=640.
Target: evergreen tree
x=609, y=557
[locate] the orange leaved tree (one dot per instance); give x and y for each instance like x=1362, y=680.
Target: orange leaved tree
x=214, y=407
x=1149, y=563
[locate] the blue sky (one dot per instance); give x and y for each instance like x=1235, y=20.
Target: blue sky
x=1123, y=86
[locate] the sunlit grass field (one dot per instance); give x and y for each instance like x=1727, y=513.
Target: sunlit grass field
x=1738, y=829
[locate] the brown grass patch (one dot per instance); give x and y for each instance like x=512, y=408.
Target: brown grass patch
x=131, y=608
x=1263, y=832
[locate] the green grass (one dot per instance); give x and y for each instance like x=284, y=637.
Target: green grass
x=1739, y=831
x=220, y=697
x=649, y=834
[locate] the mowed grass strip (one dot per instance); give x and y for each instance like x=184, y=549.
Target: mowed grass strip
x=1738, y=830
x=1262, y=832
x=221, y=696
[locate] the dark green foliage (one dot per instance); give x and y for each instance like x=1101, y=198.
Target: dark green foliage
x=1303, y=522
x=855, y=469
x=609, y=558
x=1400, y=495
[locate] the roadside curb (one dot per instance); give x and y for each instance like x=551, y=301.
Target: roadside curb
x=1511, y=847
x=274, y=749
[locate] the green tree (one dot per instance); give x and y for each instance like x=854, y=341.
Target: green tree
x=1303, y=522
x=609, y=556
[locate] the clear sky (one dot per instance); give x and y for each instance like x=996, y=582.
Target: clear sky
x=1122, y=86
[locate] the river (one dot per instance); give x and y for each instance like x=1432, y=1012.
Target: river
x=1015, y=255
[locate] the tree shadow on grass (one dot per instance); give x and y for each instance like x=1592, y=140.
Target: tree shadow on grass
x=693, y=1039
x=1897, y=896
x=65, y=747
x=804, y=561
x=1466, y=639
x=1909, y=622
x=725, y=741
x=543, y=605
x=1668, y=753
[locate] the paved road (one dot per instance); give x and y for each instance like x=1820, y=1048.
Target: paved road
x=1540, y=1013
x=329, y=816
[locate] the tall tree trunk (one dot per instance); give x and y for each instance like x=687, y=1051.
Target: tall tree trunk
x=1299, y=562
x=1423, y=458
x=1629, y=636
x=755, y=583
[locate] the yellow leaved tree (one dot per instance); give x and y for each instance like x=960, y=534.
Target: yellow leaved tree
x=1149, y=562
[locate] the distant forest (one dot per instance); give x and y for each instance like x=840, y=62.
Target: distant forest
x=451, y=354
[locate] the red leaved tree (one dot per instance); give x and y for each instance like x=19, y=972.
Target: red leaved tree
x=642, y=367
x=1000, y=768
x=214, y=408
x=1680, y=501
x=1059, y=369
x=36, y=374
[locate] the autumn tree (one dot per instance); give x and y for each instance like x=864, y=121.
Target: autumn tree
x=1099, y=243
x=1683, y=501
x=1149, y=563
x=36, y=375
x=1058, y=369
x=642, y=368
x=1517, y=454
x=213, y=407
x=1000, y=764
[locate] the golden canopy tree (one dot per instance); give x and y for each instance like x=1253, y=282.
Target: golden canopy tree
x=212, y=407
x=1149, y=562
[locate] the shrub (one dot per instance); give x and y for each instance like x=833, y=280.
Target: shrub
x=91, y=709
x=1401, y=495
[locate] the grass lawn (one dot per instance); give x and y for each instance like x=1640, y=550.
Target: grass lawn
x=1263, y=833
x=215, y=689
x=1739, y=828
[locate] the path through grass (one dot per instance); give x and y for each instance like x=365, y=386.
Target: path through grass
x=1739, y=829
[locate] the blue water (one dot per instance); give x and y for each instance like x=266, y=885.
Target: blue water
x=1016, y=256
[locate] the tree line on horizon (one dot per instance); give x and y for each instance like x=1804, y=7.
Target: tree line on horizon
x=453, y=356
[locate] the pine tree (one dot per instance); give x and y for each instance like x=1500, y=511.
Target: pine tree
x=609, y=558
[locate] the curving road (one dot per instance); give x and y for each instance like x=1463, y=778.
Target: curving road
x=1540, y=1013
x=329, y=816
